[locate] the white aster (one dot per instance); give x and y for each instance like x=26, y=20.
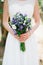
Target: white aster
x=13, y=26
x=24, y=21
x=27, y=29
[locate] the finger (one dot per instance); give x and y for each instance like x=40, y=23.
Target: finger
x=16, y=36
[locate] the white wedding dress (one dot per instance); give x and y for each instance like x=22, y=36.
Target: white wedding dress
x=12, y=54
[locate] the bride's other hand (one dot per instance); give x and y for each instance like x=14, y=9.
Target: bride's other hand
x=24, y=37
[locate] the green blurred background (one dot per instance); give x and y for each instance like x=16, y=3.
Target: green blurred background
x=3, y=32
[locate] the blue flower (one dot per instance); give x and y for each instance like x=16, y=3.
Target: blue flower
x=13, y=20
x=15, y=32
x=20, y=27
x=29, y=20
x=29, y=28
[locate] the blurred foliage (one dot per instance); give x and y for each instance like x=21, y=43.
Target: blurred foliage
x=1, y=10
x=0, y=63
x=1, y=1
x=41, y=4
x=41, y=8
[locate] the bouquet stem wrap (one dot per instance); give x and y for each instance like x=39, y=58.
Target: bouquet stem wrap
x=22, y=46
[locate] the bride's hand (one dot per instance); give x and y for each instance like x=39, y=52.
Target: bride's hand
x=16, y=36
x=24, y=37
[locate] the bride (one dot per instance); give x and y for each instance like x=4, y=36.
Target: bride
x=12, y=54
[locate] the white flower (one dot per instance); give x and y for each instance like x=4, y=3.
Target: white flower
x=13, y=26
x=24, y=21
x=26, y=17
x=27, y=29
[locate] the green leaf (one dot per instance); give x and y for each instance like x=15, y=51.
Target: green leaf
x=1, y=10
x=18, y=32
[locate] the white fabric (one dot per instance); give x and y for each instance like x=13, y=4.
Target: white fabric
x=26, y=7
x=12, y=53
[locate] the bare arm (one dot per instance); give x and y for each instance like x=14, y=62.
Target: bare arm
x=36, y=12
x=36, y=16
x=5, y=18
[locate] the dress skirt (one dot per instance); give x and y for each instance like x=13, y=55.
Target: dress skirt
x=14, y=56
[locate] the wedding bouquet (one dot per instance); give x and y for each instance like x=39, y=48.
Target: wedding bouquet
x=20, y=24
